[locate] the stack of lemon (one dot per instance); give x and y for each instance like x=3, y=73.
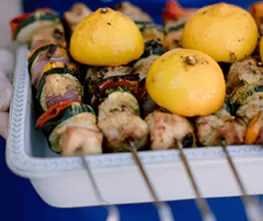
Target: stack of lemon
x=187, y=81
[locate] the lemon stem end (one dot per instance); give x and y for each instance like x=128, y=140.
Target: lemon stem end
x=190, y=60
x=103, y=10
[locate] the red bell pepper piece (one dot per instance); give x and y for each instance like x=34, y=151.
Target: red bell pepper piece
x=172, y=10
x=108, y=84
x=53, y=112
x=15, y=22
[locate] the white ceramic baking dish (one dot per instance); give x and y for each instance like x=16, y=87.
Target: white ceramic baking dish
x=61, y=181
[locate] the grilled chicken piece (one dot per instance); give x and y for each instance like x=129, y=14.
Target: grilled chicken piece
x=246, y=71
x=254, y=134
x=143, y=65
x=152, y=31
x=78, y=132
x=247, y=100
x=53, y=33
x=213, y=128
x=133, y=12
x=76, y=14
x=175, y=17
x=71, y=127
x=121, y=127
x=165, y=128
x=174, y=32
x=153, y=49
x=118, y=102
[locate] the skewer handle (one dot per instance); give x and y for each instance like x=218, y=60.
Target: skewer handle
x=254, y=211
x=206, y=213
x=164, y=211
x=252, y=205
x=113, y=213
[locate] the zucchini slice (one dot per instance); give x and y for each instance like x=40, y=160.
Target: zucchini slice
x=58, y=85
x=60, y=67
x=246, y=93
x=41, y=57
x=41, y=49
x=118, y=102
x=153, y=47
x=23, y=29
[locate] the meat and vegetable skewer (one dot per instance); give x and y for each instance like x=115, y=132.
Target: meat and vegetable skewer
x=24, y=26
x=167, y=131
x=69, y=126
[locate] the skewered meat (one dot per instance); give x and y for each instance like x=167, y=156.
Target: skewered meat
x=118, y=102
x=174, y=33
x=247, y=100
x=76, y=14
x=213, y=128
x=24, y=26
x=118, y=119
x=114, y=90
x=153, y=49
x=175, y=17
x=151, y=31
x=142, y=66
x=134, y=13
x=54, y=33
x=166, y=127
x=121, y=126
x=246, y=71
x=70, y=127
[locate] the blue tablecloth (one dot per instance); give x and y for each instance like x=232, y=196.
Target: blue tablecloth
x=19, y=201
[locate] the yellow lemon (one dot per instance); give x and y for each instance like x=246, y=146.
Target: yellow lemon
x=106, y=38
x=186, y=82
x=225, y=32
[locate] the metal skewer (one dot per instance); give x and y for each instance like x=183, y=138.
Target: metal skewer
x=252, y=205
x=164, y=211
x=206, y=213
x=113, y=212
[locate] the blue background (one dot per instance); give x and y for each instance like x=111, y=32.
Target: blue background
x=19, y=201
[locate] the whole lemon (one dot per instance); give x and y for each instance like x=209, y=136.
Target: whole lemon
x=186, y=82
x=225, y=32
x=106, y=38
